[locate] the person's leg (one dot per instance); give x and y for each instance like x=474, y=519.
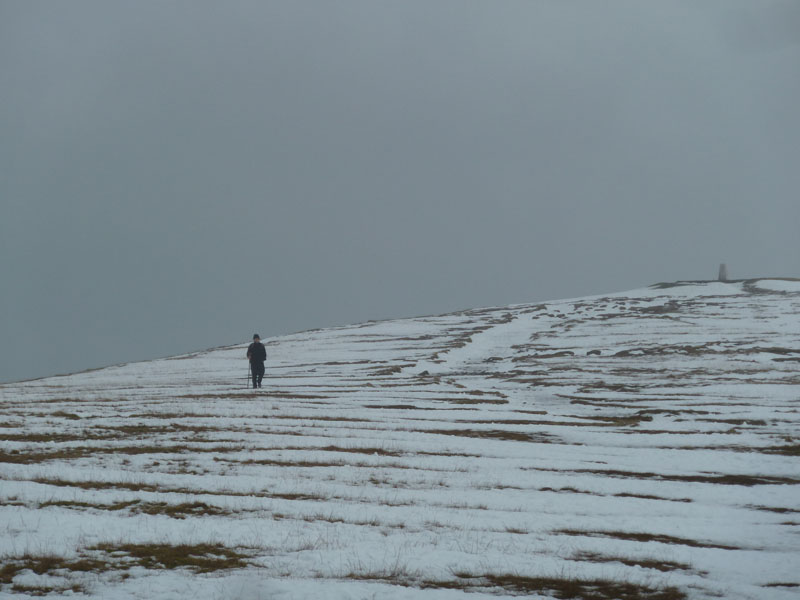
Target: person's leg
x=254, y=374
x=260, y=373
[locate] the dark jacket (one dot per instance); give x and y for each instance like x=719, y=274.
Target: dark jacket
x=256, y=352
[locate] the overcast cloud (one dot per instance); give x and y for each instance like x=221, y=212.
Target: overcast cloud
x=178, y=175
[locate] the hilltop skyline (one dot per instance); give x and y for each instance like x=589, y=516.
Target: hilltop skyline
x=179, y=175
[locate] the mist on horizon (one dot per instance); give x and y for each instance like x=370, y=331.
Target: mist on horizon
x=177, y=176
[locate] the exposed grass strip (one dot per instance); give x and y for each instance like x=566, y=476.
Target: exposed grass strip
x=200, y=558
x=88, y=505
x=26, y=457
x=493, y=434
x=645, y=538
x=561, y=588
x=742, y=480
x=149, y=487
x=646, y=563
x=10, y=567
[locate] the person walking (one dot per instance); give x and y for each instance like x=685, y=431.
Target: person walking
x=257, y=354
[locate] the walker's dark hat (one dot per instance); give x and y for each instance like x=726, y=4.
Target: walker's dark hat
x=256, y=336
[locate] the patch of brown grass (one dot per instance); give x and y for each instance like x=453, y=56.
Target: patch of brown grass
x=595, y=589
x=252, y=395
x=493, y=434
x=645, y=563
x=742, y=480
x=775, y=509
x=109, y=485
x=644, y=537
x=78, y=504
x=788, y=450
x=620, y=420
x=49, y=438
x=27, y=457
x=609, y=387
x=133, y=487
x=180, y=511
x=398, y=407
x=296, y=496
x=387, y=371
x=516, y=531
x=65, y=415
x=68, y=400
x=569, y=490
x=40, y=590
x=146, y=487
x=473, y=400
x=23, y=457
x=509, y=422
x=142, y=430
x=176, y=511
x=651, y=497
x=446, y=453
x=45, y=564
x=274, y=462
x=596, y=422
x=754, y=422
x=361, y=450
x=200, y=558
x=561, y=588
x=317, y=418
x=172, y=415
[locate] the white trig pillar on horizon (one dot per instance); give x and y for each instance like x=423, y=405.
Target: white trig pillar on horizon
x=723, y=272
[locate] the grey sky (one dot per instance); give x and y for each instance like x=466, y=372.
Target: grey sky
x=178, y=175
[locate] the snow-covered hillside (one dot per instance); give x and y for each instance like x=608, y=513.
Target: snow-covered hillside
x=637, y=445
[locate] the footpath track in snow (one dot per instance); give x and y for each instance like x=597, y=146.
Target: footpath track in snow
x=635, y=445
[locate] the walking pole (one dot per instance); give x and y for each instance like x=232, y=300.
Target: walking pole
x=249, y=371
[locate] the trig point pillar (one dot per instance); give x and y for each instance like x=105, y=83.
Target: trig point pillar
x=723, y=272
